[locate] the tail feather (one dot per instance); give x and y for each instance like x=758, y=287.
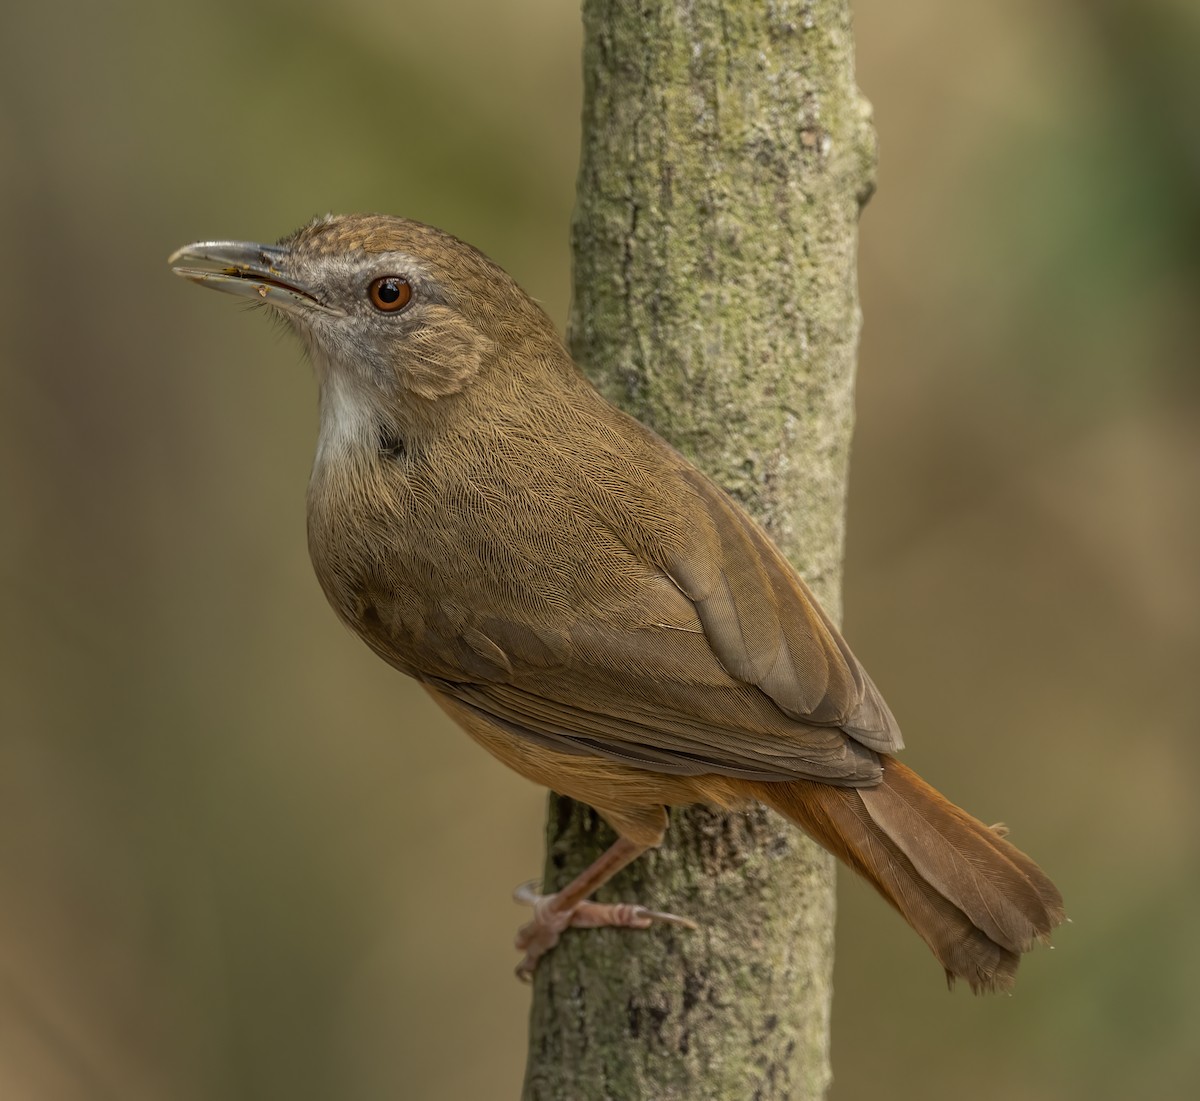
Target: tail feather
x=976, y=899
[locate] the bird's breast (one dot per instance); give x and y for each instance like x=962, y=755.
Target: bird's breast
x=418, y=550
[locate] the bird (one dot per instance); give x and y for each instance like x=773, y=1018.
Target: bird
x=584, y=602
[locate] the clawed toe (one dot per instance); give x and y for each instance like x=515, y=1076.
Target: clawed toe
x=669, y=919
x=551, y=916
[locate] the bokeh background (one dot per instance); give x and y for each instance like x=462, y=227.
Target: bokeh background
x=240, y=858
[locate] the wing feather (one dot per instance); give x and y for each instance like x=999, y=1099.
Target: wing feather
x=714, y=658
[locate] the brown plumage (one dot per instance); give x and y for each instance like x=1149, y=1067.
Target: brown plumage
x=585, y=603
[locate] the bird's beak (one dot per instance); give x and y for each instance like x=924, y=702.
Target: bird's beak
x=253, y=271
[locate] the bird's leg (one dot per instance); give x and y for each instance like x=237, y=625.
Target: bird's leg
x=571, y=907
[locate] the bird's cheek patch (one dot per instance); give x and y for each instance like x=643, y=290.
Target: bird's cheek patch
x=443, y=355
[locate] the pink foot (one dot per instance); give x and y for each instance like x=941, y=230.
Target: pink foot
x=550, y=917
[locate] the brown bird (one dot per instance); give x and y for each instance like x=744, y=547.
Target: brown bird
x=591, y=608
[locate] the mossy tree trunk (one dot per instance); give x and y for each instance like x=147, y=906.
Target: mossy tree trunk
x=726, y=155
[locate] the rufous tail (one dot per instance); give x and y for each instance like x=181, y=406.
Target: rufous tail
x=976, y=900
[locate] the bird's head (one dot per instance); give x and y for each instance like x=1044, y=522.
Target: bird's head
x=383, y=303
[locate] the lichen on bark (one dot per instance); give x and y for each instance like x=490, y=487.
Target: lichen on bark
x=726, y=154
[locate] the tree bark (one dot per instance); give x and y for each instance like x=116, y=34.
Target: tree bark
x=726, y=155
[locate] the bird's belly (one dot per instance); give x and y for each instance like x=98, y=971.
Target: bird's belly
x=628, y=798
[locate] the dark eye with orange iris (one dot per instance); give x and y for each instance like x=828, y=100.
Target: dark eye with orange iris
x=389, y=294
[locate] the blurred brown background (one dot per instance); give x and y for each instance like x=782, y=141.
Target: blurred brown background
x=240, y=858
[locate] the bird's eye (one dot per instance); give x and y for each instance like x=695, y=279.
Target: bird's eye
x=390, y=293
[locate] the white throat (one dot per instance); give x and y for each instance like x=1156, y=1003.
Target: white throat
x=348, y=420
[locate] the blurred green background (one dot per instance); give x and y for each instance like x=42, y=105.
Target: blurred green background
x=241, y=858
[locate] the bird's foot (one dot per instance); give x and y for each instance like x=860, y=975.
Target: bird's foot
x=551, y=916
